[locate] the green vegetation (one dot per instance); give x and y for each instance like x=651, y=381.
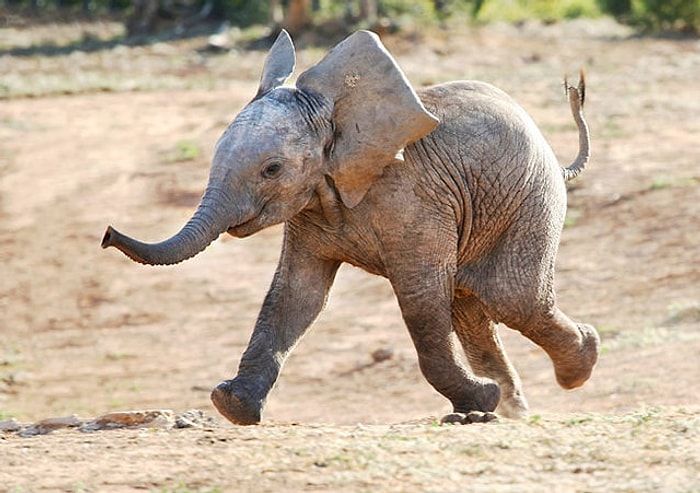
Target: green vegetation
x=648, y=15
x=577, y=419
x=548, y=10
x=644, y=416
x=665, y=181
x=185, y=150
x=572, y=216
x=684, y=313
x=656, y=15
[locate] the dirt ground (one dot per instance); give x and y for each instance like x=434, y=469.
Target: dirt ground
x=93, y=133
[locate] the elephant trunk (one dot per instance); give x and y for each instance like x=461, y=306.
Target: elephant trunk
x=211, y=218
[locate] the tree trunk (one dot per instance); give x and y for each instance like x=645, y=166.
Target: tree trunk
x=368, y=11
x=298, y=16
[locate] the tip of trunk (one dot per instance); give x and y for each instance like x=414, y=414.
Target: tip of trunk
x=205, y=226
x=107, y=238
x=113, y=238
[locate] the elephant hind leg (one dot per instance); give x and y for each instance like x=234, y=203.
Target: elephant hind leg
x=573, y=347
x=519, y=292
x=487, y=356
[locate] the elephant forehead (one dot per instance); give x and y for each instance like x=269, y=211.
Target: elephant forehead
x=267, y=114
x=262, y=126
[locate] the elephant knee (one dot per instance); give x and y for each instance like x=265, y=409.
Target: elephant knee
x=526, y=317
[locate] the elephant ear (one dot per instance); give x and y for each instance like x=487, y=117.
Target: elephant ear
x=279, y=64
x=376, y=113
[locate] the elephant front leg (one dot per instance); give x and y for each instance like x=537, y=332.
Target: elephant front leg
x=425, y=298
x=296, y=297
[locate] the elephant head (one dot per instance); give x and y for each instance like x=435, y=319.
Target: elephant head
x=348, y=117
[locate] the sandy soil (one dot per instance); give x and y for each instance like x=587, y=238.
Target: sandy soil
x=85, y=331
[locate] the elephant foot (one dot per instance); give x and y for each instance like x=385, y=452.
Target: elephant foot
x=229, y=399
x=513, y=406
x=482, y=398
x=468, y=418
x=574, y=370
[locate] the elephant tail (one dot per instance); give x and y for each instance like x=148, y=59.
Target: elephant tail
x=576, y=96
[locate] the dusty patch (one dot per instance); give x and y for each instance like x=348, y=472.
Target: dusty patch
x=653, y=450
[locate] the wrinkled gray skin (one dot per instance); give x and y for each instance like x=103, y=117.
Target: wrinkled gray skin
x=464, y=222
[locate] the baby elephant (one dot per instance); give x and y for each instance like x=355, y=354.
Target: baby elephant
x=450, y=192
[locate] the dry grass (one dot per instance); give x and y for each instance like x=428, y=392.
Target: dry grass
x=650, y=450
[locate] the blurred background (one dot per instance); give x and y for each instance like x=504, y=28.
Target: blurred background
x=115, y=27
x=150, y=16
x=110, y=109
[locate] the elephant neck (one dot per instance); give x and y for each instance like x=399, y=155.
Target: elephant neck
x=325, y=208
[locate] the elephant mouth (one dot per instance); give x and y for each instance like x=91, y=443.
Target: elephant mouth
x=244, y=229
x=259, y=220
x=239, y=231
x=264, y=217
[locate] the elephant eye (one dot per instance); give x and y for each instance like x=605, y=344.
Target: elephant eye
x=271, y=170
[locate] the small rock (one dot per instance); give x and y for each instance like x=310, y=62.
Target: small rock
x=382, y=354
x=193, y=418
x=132, y=419
x=49, y=425
x=10, y=425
